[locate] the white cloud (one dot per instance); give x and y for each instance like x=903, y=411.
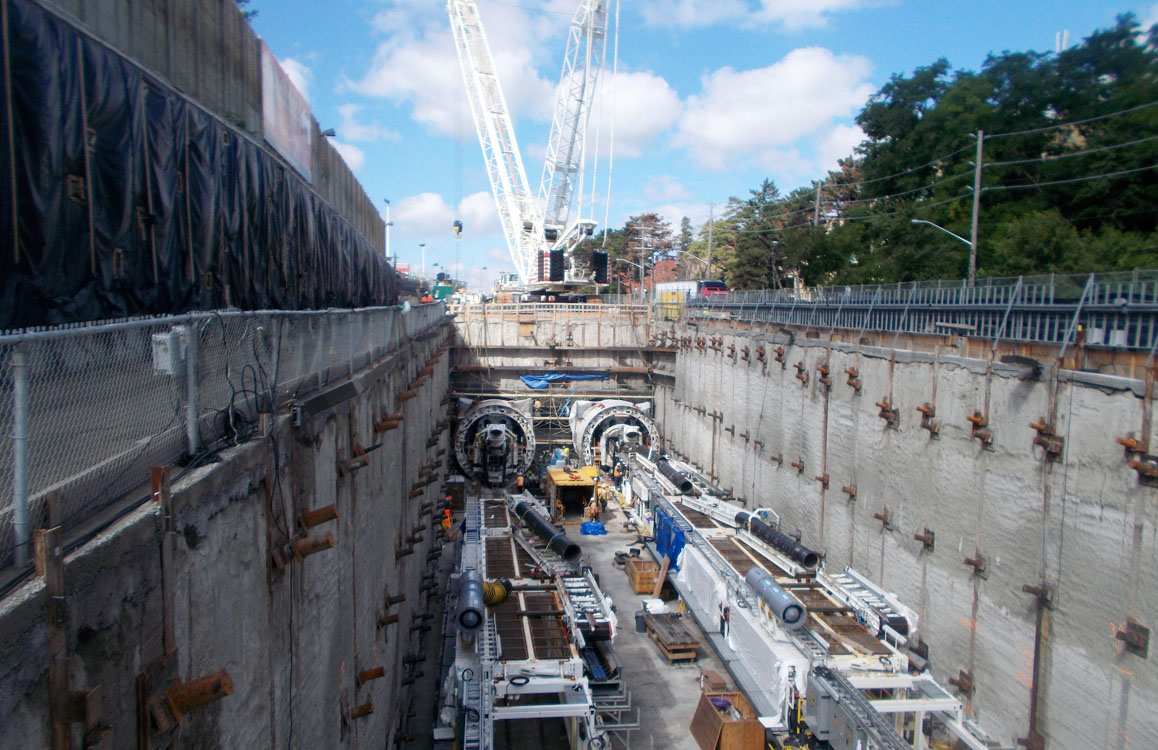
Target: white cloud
x=428, y=214
x=499, y=257
x=758, y=114
x=691, y=13
x=479, y=214
x=353, y=155
x=644, y=106
x=837, y=144
x=791, y=14
x=665, y=188
x=674, y=212
x=423, y=214
x=418, y=64
x=299, y=74
x=356, y=130
x=800, y=14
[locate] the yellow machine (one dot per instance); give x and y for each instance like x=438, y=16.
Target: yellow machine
x=569, y=492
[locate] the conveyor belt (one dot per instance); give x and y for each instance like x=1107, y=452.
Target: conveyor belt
x=506, y=559
x=695, y=518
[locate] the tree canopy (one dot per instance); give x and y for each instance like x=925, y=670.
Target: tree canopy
x=1069, y=176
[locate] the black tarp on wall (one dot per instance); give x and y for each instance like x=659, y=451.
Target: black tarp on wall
x=171, y=211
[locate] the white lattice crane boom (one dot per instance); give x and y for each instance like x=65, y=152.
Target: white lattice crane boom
x=497, y=136
x=565, y=147
x=536, y=228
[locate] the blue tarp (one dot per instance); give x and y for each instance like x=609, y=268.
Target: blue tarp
x=592, y=528
x=539, y=382
x=669, y=539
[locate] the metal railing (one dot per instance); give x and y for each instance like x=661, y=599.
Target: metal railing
x=86, y=409
x=1118, y=309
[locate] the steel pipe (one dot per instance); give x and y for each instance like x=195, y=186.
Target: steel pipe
x=682, y=482
x=471, y=609
x=795, y=551
x=544, y=529
x=787, y=608
x=679, y=479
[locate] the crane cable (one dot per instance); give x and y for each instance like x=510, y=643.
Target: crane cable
x=611, y=140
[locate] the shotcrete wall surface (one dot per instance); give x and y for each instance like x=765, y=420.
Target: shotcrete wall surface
x=293, y=640
x=1084, y=524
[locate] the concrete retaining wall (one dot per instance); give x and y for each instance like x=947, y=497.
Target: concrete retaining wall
x=293, y=640
x=1086, y=524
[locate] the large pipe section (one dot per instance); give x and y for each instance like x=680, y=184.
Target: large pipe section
x=786, y=607
x=678, y=479
x=681, y=481
x=471, y=608
x=793, y=549
x=544, y=529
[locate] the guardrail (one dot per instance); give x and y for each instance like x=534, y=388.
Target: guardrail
x=547, y=309
x=86, y=409
x=1116, y=310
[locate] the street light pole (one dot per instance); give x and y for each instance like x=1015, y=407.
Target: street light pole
x=422, y=247
x=695, y=257
x=954, y=235
x=388, y=225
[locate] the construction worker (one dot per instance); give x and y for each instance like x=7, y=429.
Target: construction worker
x=448, y=525
x=592, y=513
x=426, y=297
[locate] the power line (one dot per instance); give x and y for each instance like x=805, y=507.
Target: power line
x=1085, y=152
x=957, y=176
x=1073, y=123
x=907, y=171
x=1023, y=186
x=910, y=211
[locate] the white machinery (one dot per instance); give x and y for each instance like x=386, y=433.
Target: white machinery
x=833, y=649
x=533, y=628
x=548, y=249
x=495, y=440
x=609, y=430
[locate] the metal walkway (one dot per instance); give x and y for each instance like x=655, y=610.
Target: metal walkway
x=1113, y=310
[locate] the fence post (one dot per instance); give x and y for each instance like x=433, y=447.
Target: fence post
x=20, y=454
x=192, y=348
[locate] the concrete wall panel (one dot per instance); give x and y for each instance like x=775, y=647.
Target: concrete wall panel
x=1004, y=502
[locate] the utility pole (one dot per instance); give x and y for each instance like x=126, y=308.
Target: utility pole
x=816, y=208
x=710, y=222
x=976, y=207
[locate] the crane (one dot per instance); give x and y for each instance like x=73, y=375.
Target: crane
x=548, y=249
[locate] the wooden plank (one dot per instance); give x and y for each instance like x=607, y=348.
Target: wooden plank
x=670, y=630
x=679, y=653
x=659, y=579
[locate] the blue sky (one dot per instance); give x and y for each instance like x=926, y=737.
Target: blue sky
x=711, y=96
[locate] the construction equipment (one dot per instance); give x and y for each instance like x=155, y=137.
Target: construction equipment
x=549, y=250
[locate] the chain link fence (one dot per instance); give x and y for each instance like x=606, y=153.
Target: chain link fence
x=85, y=410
